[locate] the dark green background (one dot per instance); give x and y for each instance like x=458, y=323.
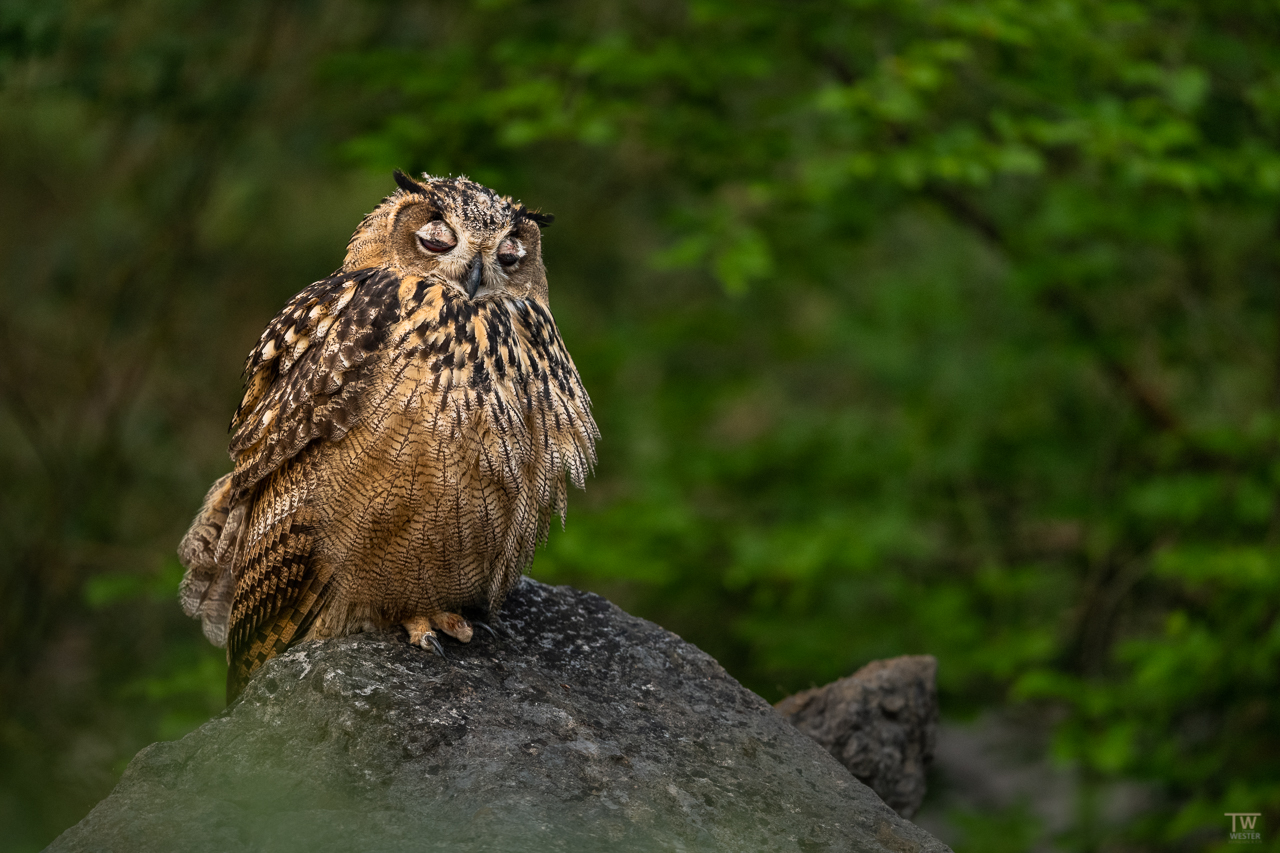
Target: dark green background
x=945, y=327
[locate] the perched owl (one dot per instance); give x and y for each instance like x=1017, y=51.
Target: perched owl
x=406, y=433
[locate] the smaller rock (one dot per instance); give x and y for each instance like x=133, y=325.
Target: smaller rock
x=881, y=723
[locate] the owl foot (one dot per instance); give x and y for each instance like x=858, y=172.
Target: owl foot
x=453, y=625
x=421, y=633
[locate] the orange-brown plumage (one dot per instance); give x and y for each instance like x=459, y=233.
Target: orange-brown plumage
x=405, y=437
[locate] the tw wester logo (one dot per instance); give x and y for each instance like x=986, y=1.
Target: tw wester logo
x=1244, y=827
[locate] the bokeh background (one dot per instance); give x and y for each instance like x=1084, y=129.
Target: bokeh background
x=912, y=326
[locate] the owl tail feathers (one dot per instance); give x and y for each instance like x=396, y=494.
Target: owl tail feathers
x=248, y=650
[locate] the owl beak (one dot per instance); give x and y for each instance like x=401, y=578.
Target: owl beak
x=475, y=273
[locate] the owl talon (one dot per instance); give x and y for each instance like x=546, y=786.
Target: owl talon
x=485, y=625
x=499, y=628
x=431, y=637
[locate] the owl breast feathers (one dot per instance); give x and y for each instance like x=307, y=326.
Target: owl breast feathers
x=406, y=434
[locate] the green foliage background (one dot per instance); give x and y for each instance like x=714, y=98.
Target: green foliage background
x=912, y=326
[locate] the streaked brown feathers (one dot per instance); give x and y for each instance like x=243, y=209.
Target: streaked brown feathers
x=401, y=448
x=306, y=378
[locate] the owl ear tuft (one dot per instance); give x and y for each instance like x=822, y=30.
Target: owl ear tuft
x=407, y=183
x=542, y=219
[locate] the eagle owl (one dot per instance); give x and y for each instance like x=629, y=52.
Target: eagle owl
x=406, y=433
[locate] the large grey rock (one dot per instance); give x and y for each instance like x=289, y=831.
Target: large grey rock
x=587, y=729
x=881, y=723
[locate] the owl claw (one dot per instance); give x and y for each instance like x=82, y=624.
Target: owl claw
x=426, y=639
x=497, y=627
x=431, y=637
x=485, y=625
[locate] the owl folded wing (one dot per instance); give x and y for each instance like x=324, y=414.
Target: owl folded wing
x=304, y=380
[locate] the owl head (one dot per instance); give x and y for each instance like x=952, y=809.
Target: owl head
x=457, y=231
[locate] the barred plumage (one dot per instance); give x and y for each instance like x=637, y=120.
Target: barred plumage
x=406, y=433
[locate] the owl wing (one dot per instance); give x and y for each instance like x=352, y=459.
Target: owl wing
x=306, y=378
x=307, y=381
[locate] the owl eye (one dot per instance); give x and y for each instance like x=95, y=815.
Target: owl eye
x=436, y=237
x=510, y=251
